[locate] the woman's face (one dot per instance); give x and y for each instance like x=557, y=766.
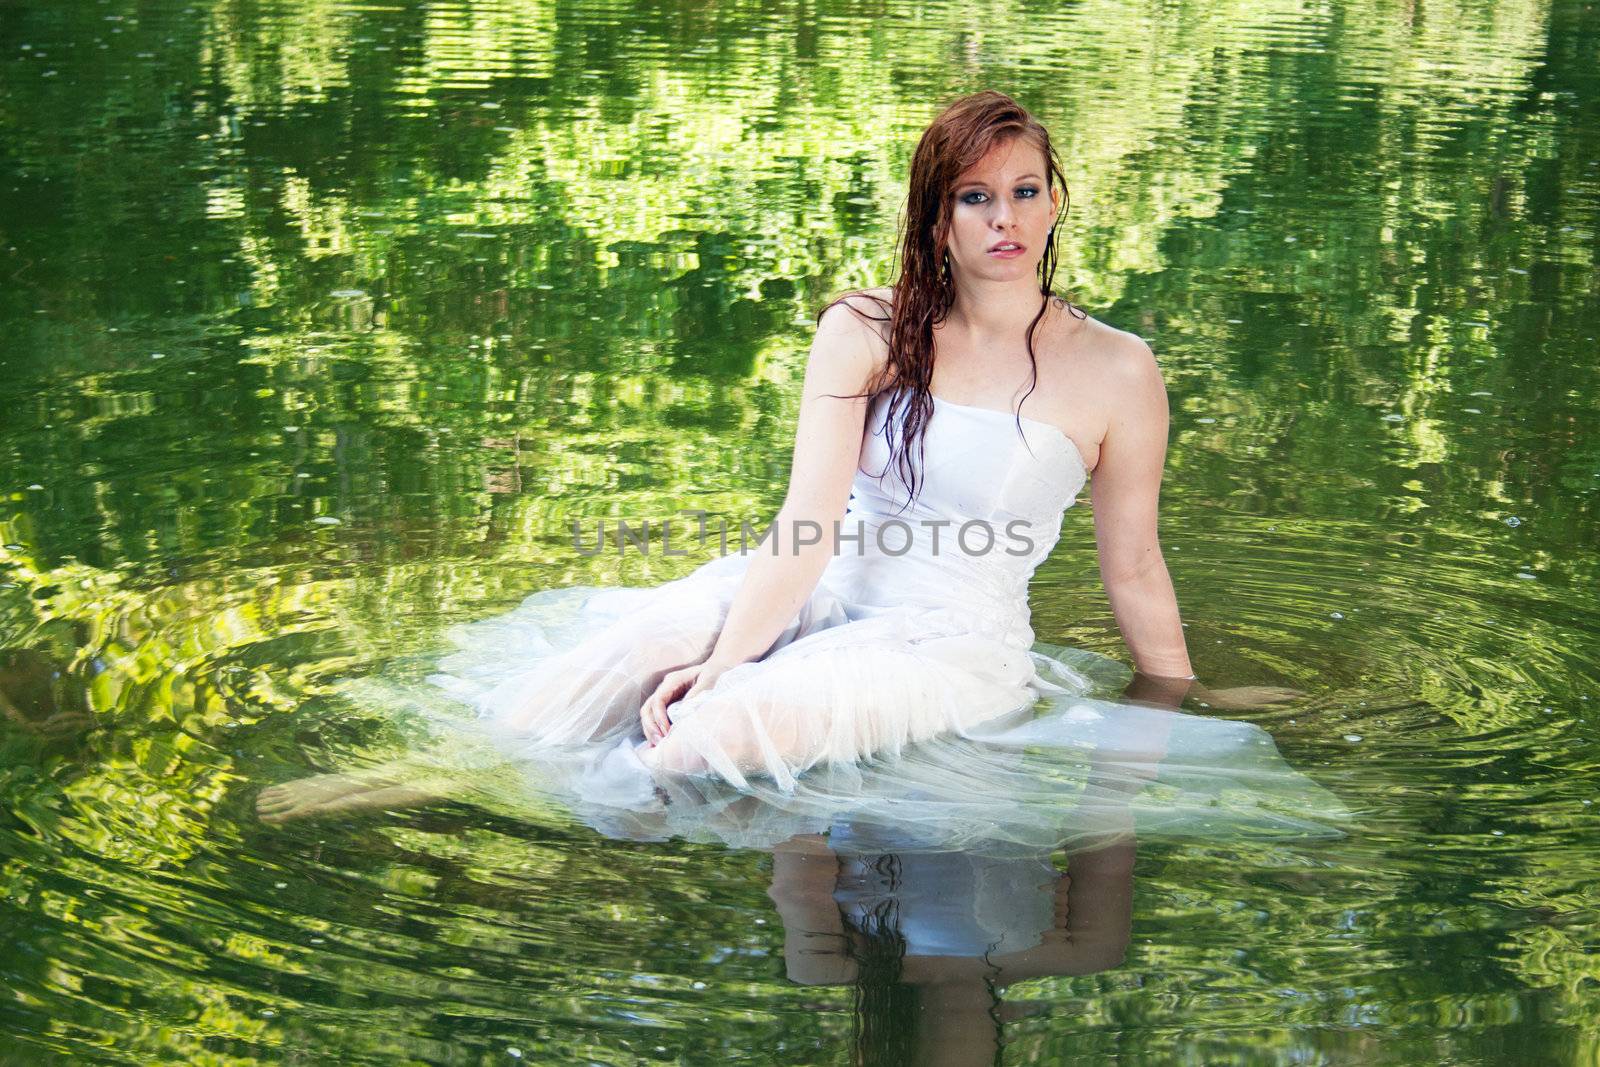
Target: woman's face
x=1003, y=198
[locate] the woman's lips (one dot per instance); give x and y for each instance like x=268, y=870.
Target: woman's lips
x=1007, y=253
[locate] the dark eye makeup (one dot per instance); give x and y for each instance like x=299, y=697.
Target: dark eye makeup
x=1032, y=190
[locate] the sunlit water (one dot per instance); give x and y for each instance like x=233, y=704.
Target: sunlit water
x=319, y=322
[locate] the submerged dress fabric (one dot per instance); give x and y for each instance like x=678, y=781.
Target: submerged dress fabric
x=909, y=690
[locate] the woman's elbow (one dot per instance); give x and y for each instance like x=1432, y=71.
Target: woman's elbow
x=1122, y=571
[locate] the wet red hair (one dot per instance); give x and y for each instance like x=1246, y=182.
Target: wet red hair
x=960, y=136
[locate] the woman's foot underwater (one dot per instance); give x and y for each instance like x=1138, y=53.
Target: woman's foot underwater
x=449, y=772
x=325, y=795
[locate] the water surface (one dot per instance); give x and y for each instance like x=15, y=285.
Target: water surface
x=319, y=322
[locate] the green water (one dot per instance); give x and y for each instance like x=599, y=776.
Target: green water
x=319, y=322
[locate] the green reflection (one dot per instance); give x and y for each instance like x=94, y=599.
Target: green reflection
x=323, y=321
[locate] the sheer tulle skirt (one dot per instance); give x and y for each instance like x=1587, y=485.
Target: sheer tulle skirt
x=880, y=715
x=845, y=681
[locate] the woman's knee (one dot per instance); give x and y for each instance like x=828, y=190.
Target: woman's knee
x=744, y=733
x=708, y=733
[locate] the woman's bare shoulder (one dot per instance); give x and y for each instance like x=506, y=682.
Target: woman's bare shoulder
x=863, y=315
x=1102, y=371
x=1111, y=352
x=875, y=304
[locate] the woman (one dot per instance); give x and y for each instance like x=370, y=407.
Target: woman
x=942, y=494
x=930, y=941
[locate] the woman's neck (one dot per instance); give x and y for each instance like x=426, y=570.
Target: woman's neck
x=987, y=314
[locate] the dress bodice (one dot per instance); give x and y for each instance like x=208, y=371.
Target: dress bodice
x=988, y=511
x=943, y=903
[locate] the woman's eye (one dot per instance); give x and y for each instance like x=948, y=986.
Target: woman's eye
x=1032, y=192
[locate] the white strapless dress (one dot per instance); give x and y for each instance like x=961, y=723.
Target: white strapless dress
x=909, y=686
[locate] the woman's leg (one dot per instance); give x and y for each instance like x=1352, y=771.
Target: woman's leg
x=381, y=789
x=587, y=693
x=837, y=703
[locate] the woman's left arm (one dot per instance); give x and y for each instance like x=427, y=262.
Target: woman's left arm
x=1126, y=489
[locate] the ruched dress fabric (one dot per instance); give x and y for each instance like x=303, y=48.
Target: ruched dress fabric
x=961, y=903
x=908, y=691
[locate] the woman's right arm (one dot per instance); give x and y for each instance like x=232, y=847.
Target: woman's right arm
x=827, y=449
x=816, y=948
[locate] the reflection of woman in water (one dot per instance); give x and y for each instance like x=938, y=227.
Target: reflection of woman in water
x=931, y=940
x=947, y=464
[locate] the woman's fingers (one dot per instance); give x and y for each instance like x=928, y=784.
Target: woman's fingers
x=653, y=714
x=647, y=720
x=1246, y=697
x=658, y=713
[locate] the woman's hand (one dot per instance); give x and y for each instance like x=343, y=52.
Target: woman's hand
x=1244, y=697
x=677, y=685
